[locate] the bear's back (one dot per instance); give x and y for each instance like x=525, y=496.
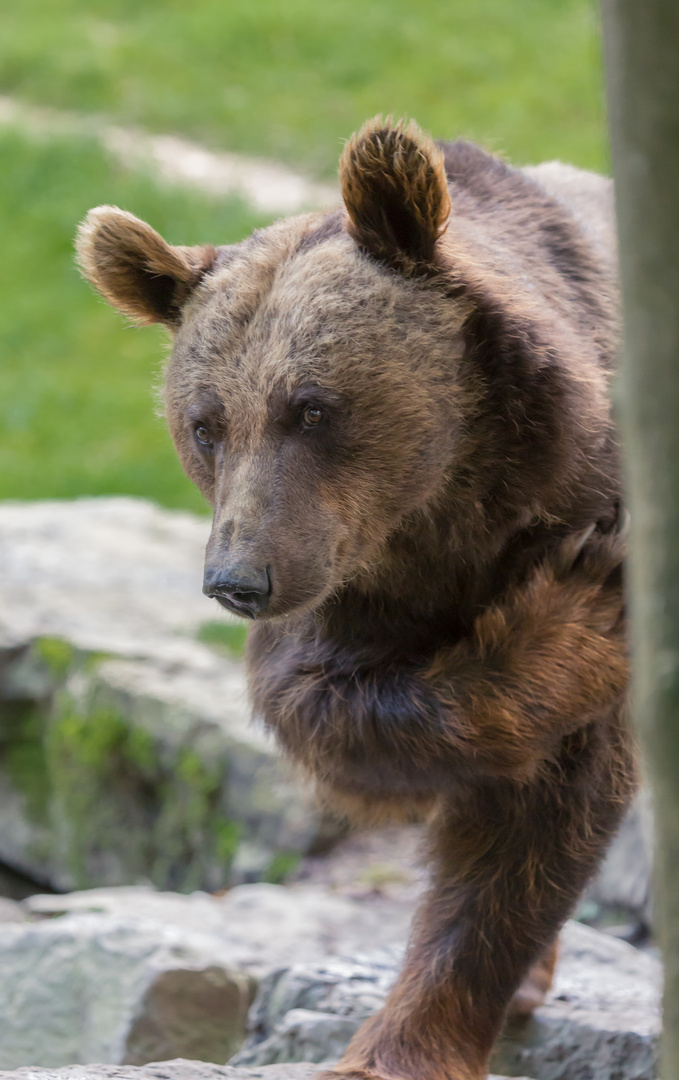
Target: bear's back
x=587, y=196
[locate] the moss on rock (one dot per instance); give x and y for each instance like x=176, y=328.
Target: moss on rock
x=111, y=781
x=24, y=759
x=57, y=654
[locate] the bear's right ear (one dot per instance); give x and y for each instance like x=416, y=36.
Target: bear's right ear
x=133, y=268
x=395, y=191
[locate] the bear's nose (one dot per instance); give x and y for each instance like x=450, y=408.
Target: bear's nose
x=245, y=590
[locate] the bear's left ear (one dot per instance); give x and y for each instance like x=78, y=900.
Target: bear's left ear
x=396, y=194
x=135, y=269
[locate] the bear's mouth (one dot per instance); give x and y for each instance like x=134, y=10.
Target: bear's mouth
x=242, y=606
x=237, y=597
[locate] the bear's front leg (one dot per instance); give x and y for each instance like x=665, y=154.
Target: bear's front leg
x=509, y=863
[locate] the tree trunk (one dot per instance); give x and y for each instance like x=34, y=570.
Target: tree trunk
x=641, y=44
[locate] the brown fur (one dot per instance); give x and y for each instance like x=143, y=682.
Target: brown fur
x=395, y=190
x=117, y=252
x=443, y=631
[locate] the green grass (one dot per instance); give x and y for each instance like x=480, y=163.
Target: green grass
x=291, y=79
x=280, y=79
x=76, y=382
x=228, y=637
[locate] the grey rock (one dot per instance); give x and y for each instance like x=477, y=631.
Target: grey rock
x=199, y=1012
x=173, y=1070
x=107, y=574
x=130, y=975
x=11, y=911
x=165, y=1070
x=95, y=988
x=262, y=926
x=127, y=749
x=310, y=1012
x=601, y=1020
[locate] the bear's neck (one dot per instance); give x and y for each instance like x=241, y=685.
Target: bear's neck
x=433, y=580
x=425, y=590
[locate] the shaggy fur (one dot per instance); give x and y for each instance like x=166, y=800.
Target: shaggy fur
x=400, y=413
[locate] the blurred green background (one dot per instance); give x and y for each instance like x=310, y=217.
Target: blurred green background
x=282, y=80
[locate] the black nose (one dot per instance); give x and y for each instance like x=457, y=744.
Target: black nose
x=244, y=590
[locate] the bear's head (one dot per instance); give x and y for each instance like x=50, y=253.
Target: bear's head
x=311, y=392
x=317, y=391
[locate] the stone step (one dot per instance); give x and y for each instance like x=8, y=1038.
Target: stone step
x=173, y=1070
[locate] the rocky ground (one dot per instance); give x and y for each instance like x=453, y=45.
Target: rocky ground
x=269, y=974
x=127, y=757
x=173, y=1070
x=168, y=1070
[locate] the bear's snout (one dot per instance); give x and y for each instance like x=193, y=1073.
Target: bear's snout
x=243, y=589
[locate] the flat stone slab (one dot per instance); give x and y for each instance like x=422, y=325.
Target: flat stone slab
x=165, y=1070
x=115, y=574
x=262, y=926
x=173, y=1070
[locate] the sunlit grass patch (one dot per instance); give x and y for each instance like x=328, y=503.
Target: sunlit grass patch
x=292, y=80
x=77, y=410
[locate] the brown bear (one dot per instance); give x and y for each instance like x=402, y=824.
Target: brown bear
x=400, y=413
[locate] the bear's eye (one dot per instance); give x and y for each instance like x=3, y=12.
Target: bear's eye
x=312, y=415
x=203, y=436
